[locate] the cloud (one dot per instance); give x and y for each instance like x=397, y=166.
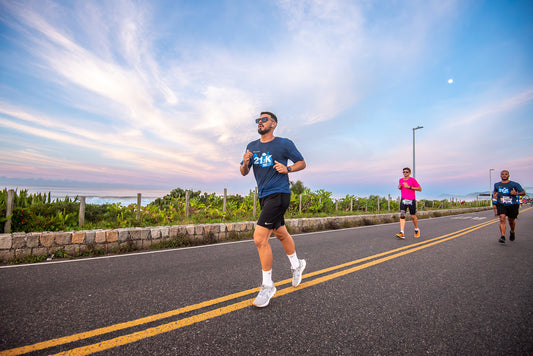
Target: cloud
x=139, y=152
x=121, y=75
x=117, y=86
x=492, y=107
x=455, y=148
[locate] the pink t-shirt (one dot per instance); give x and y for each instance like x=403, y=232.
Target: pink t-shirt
x=406, y=193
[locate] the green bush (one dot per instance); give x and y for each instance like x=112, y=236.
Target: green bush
x=37, y=212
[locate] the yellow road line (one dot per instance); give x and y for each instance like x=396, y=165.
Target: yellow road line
x=120, y=326
x=130, y=338
x=329, y=269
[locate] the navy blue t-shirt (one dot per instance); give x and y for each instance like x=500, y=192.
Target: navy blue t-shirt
x=504, y=192
x=269, y=180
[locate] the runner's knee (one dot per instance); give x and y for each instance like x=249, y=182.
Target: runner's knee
x=261, y=236
x=402, y=214
x=281, y=232
x=260, y=242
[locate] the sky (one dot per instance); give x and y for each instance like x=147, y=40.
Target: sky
x=164, y=93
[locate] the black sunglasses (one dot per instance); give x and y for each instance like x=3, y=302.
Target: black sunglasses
x=406, y=172
x=263, y=119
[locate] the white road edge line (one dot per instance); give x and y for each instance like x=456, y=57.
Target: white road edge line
x=82, y=259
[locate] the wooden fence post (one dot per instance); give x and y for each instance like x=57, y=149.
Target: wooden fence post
x=300, y=203
x=337, y=205
x=187, y=204
x=81, y=217
x=224, y=201
x=388, y=203
x=138, y=206
x=9, y=210
x=351, y=204
x=255, y=201
x=379, y=199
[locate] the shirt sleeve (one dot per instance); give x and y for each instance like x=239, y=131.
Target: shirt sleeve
x=292, y=152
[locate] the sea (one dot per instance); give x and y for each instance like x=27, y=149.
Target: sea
x=96, y=195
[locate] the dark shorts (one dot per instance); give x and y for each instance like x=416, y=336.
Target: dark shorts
x=273, y=207
x=511, y=211
x=404, y=206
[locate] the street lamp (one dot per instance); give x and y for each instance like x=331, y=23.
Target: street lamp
x=414, y=129
x=490, y=185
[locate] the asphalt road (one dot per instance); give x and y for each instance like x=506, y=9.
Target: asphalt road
x=455, y=290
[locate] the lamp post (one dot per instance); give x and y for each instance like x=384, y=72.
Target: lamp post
x=490, y=185
x=414, y=129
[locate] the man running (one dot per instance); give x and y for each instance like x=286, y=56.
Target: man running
x=269, y=157
x=508, y=204
x=408, y=186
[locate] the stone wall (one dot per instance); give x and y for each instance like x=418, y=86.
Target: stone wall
x=20, y=244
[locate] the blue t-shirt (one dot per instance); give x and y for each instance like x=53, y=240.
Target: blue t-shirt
x=270, y=181
x=504, y=192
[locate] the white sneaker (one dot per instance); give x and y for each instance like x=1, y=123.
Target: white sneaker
x=297, y=273
x=263, y=298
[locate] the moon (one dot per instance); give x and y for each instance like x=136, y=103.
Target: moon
x=450, y=81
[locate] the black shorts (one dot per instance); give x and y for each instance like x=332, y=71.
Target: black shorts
x=273, y=207
x=408, y=205
x=511, y=211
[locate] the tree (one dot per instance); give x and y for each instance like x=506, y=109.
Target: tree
x=297, y=188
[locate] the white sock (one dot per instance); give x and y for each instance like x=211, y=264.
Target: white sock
x=295, y=263
x=267, y=278
x=416, y=229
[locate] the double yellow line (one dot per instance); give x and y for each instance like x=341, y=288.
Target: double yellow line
x=342, y=270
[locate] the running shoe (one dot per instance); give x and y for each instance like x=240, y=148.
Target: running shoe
x=401, y=235
x=502, y=240
x=297, y=273
x=417, y=233
x=263, y=298
x=511, y=236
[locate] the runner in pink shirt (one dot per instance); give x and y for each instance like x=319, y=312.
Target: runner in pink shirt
x=408, y=186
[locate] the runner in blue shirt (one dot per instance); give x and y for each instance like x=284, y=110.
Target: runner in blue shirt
x=269, y=158
x=508, y=203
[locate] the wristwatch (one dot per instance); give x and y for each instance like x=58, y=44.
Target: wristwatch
x=289, y=169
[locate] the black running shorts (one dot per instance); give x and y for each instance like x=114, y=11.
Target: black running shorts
x=511, y=211
x=273, y=207
x=408, y=205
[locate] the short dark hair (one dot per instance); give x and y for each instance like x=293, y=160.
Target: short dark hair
x=407, y=169
x=271, y=115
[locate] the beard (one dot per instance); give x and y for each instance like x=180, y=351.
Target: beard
x=263, y=130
